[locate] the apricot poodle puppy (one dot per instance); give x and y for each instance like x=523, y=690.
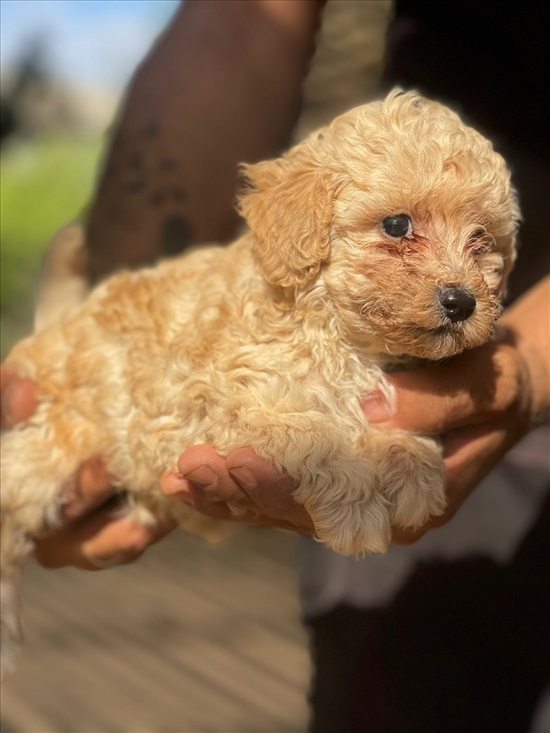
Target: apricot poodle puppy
x=383, y=239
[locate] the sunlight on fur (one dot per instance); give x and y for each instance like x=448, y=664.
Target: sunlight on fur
x=272, y=341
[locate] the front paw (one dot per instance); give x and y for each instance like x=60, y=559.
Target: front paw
x=350, y=513
x=413, y=477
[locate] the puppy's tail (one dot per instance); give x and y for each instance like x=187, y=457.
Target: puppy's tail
x=11, y=636
x=15, y=549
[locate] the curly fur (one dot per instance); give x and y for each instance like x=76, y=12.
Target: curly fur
x=271, y=342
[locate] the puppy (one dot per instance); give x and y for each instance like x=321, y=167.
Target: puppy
x=384, y=238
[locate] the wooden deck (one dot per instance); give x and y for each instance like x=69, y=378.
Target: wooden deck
x=190, y=639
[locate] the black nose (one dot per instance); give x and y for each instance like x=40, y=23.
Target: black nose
x=458, y=304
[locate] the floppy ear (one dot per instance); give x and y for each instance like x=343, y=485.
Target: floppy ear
x=288, y=205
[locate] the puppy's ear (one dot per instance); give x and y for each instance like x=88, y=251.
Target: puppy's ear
x=288, y=205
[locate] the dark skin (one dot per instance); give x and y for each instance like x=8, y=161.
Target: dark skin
x=171, y=172
x=151, y=201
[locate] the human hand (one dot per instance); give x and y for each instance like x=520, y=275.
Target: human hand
x=476, y=403
x=93, y=535
x=256, y=491
x=480, y=404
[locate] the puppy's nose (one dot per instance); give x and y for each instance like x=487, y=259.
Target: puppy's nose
x=458, y=304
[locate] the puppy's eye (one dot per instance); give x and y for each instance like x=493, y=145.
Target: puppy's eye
x=397, y=226
x=477, y=234
x=480, y=241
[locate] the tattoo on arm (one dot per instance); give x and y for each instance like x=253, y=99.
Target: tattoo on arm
x=144, y=187
x=175, y=235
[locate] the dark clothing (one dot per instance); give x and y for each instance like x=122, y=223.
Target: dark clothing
x=489, y=61
x=465, y=646
x=491, y=58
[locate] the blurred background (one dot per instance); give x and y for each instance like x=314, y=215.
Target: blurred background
x=64, y=65
x=190, y=639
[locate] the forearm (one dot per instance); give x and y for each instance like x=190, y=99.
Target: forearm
x=222, y=85
x=528, y=322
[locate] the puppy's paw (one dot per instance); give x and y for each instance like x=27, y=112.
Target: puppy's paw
x=413, y=477
x=350, y=513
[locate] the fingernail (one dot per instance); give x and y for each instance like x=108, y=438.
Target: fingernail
x=175, y=484
x=203, y=476
x=244, y=476
x=379, y=407
x=102, y=564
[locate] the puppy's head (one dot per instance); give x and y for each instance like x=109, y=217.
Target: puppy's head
x=405, y=215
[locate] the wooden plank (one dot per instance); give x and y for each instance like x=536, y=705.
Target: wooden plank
x=190, y=639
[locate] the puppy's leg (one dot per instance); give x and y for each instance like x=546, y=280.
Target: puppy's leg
x=354, y=501
x=339, y=488
x=413, y=478
x=348, y=509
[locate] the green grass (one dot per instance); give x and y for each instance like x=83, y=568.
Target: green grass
x=43, y=185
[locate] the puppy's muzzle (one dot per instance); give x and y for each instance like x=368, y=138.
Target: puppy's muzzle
x=457, y=304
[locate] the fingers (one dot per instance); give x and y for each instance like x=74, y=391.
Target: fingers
x=95, y=536
x=99, y=541
x=117, y=542
x=470, y=454
x=242, y=488
x=428, y=400
x=204, y=468
x=90, y=488
x=18, y=399
x=271, y=493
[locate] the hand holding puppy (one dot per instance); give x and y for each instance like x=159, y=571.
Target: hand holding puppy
x=480, y=403
x=478, y=420
x=92, y=536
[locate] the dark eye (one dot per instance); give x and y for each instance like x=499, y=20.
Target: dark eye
x=397, y=226
x=477, y=234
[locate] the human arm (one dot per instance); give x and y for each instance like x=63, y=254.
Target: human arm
x=222, y=85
